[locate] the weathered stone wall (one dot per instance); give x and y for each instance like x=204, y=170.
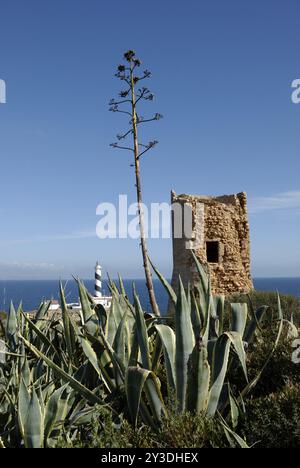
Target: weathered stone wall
x=222, y=220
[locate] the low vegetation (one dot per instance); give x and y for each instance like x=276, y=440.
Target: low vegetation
x=213, y=374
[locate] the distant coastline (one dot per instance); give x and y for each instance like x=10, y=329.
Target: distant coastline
x=31, y=292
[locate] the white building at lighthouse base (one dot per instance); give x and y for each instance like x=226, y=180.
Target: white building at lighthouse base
x=105, y=301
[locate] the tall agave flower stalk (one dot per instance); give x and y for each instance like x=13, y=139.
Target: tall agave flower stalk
x=128, y=102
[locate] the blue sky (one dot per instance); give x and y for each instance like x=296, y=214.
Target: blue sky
x=222, y=74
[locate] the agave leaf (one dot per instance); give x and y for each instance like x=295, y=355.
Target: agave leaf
x=118, y=365
x=112, y=286
x=168, y=340
x=219, y=305
x=40, y=334
x=156, y=353
x=115, y=315
x=25, y=372
x=90, y=354
x=203, y=277
x=239, y=314
x=135, y=381
x=77, y=386
x=198, y=380
x=42, y=311
x=220, y=365
x=101, y=313
x=234, y=410
x=119, y=351
x=83, y=417
x=251, y=308
x=23, y=405
x=210, y=350
x=122, y=288
x=33, y=424
x=142, y=334
x=201, y=302
x=233, y=435
x=185, y=343
x=280, y=312
x=20, y=318
x=237, y=342
x=119, y=344
x=208, y=314
x=196, y=316
x=12, y=327
x=89, y=316
x=205, y=298
x=254, y=324
x=39, y=393
x=18, y=311
x=64, y=404
x=104, y=363
x=133, y=358
x=165, y=283
x=154, y=397
x=51, y=411
x=119, y=305
x=68, y=329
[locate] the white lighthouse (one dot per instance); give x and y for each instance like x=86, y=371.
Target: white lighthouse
x=98, y=280
x=99, y=297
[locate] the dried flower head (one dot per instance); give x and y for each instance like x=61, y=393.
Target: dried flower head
x=129, y=55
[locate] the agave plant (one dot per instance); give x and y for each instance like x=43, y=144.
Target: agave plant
x=196, y=351
x=40, y=386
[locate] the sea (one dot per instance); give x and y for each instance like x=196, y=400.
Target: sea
x=31, y=293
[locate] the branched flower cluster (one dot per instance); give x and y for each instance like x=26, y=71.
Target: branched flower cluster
x=132, y=97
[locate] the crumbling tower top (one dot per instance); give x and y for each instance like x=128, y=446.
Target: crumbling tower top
x=220, y=239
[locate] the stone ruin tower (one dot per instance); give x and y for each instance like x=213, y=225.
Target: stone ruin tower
x=220, y=238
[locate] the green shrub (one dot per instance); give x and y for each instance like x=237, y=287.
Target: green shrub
x=290, y=304
x=192, y=431
x=277, y=373
x=178, y=431
x=274, y=421
x=280, y=369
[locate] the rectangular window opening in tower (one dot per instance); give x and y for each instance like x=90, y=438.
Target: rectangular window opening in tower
x=212, y=252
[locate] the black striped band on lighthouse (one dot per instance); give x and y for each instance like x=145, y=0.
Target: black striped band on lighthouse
x=98, y=282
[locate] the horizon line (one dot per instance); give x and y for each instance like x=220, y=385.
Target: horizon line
x=128, y=279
